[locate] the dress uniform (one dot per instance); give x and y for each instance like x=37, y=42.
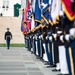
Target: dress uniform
x=34, y=41
x=72, y=51
x=41, y=47
x=49, y=49
x=8, y=37
x=38, y=45
x=55, y=50
x=34, y=45
x=45, y=44
x=62, y=56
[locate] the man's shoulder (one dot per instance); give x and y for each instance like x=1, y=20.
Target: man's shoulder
x=8, y=32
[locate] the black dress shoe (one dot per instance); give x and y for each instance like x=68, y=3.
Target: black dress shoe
x=41, y=60
x=53, y=65
x=32, y=52
x=47, y=63
x=56, y=70
x=8, y=48
x=60, y=74
x=50, y=66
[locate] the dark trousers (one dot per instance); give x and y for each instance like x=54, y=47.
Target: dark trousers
x=49, y=52
x=8, y=43
x=38, y=45
x=56, y=54
x=51, y=58
x=72, y=46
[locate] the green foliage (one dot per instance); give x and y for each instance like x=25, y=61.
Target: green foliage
x=13, y=45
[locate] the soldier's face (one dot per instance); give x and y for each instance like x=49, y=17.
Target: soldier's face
x=24, y=25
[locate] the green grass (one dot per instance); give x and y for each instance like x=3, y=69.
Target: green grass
x=13, y=45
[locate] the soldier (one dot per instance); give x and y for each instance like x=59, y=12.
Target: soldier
x=8, y=37
x=72, y=51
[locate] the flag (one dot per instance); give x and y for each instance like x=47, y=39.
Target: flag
x=32, y=23
x=68, y=10
x=45, y=11
x=27, y=15
x=50, y=9
x=55, y=10
x=33, y=15
x=24, y=28
x=22, y=22
x=37, y=13
x=33, y=7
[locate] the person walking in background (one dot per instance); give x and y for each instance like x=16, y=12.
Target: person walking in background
x=8, y=37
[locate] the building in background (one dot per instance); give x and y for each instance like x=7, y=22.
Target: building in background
x=23, y=3
x=10, y=7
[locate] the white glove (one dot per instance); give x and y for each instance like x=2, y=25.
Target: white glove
x=46, y=37
x=50, y=38
x=33, y=37
x=61, y=37
x=67, y=37
x=55, y=35
x=40, y=37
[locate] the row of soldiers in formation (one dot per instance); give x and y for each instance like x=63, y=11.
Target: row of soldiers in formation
x=54, y=45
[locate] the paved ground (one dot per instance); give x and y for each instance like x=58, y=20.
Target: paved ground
x=19, y=61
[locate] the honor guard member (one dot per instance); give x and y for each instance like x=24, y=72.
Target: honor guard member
x=8, y=37
x=29, y=34
x=41, y=44
x=49, y=47
x=38, y=42
x=33, y=44
x=34, y=41
x=62, y=56
x=71, y=52
x=45, y=43
x=31, y=37
x=55, y=50
x=25, y=30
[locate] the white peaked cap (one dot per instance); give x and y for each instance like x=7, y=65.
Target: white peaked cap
x=59, y=32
